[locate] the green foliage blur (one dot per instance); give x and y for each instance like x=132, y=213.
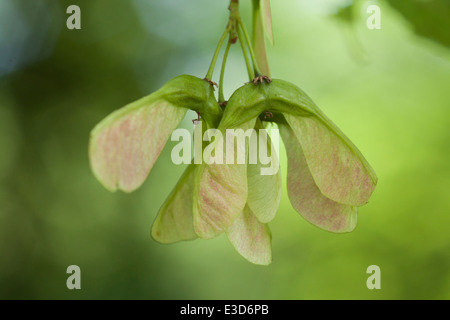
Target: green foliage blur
x=387, y=89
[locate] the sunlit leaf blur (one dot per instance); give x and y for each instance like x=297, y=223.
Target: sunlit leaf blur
x=387, y=89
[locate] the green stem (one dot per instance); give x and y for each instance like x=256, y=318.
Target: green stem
x=216, y=54
x=259, y=36
x=251, y=73
x=222, y=72
x=252, y=53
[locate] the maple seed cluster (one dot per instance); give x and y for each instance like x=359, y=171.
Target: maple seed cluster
x=328, y=177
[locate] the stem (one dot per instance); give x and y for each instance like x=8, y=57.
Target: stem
x=216, y=54
x=252, y=53
x=251, y=73
x=222, y=71
x=259, y=36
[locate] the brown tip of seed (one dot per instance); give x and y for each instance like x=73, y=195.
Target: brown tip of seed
x=223, y=104
x=211, y=82
x=261, y=79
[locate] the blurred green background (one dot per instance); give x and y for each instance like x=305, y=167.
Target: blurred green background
x=388, y=90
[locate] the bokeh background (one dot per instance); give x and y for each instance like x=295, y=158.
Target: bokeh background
x=388, y=90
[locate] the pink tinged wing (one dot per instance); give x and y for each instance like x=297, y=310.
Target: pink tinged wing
x=175, y=218
x=264, y=191
x=221, y=190
x=124, y=146
x=338, y=168
x=251, y=238
x=306, y=197
x=221, y=196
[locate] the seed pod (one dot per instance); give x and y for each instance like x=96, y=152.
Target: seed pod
x=306, y=197
x=264, y=190
x=237, y=198
x=125, y=145
x=339, y=177
x=223, y=189
x=338, y=167
x=251, y=238
x=175, y=219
